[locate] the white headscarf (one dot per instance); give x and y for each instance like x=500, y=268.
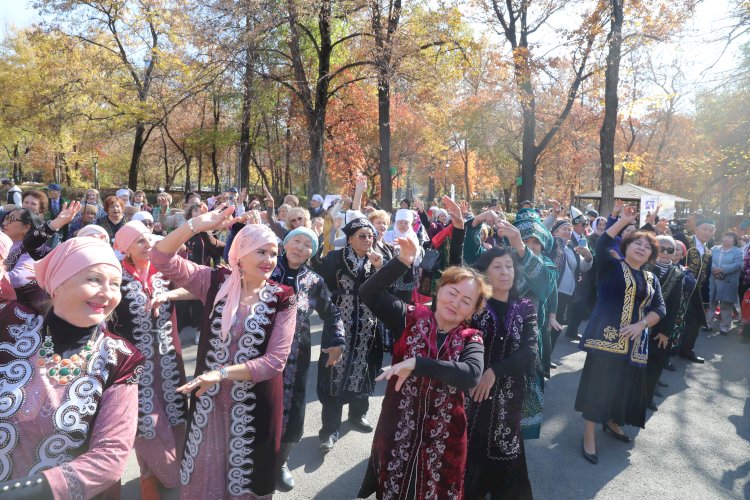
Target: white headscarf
x=391, y=235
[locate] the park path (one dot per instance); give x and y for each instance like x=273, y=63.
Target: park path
x=697, y=446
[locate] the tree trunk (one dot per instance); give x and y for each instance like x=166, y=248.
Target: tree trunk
x=135, y=158
x=188, y=181
x=529, y=155
x=430, y=191
x=466, y=170
x=506, y=199
x=384, y=132
x=200, y=171
x=609, y=125
x=247, y=101
x=315, y=166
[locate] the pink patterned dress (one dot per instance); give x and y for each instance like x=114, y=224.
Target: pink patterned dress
x=162, y=411
x=79, y=434
x=234, y=429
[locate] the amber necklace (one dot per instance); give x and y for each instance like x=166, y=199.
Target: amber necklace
x=63, y=370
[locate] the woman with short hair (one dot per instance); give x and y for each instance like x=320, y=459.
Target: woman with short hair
x=115, y=218
x=613, y=387
x=419, y=447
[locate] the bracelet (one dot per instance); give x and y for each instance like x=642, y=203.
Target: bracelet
x=190, y=225
x=223, y=373
x=645, y=324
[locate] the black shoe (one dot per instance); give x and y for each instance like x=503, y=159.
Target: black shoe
x=652, y=406
x=361, y=424
x=326, y=445
x=670, y=367
x=662, y=384
x=619, y=437
x=692, y=357
x=658, y=393
x=591, y=457
x=285, y=481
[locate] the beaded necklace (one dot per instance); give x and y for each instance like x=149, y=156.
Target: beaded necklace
x=63, y=370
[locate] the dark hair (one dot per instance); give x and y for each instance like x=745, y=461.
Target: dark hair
x=191, y=194
x=406, y=200
x=734, y=236
x=485, y=261
x=189, y=210
x=28, y=218
x=39, y=195
x=650, y=237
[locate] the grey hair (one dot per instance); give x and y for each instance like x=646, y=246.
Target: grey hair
x=666, y=239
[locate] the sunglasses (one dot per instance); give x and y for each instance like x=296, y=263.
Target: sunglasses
x=11, y=218
x=667, y=250
x=365, y=236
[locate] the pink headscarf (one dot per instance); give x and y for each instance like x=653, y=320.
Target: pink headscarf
x=128, y=233
x=70, y=258
x=251, y=237
x=92, y=230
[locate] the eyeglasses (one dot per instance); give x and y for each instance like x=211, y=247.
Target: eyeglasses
x=667, y=250
x=147, y=223
x=366, y=236
x=11, y=218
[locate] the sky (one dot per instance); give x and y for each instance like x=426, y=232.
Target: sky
x=698, y=49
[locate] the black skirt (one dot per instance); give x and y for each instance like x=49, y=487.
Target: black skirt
x=501, y=480
x=612, y=389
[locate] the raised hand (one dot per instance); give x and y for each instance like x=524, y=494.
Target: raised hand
x=242, y=196
x=505, y=228
x=556, y=206
x=317, y=225
x=629, y=213
x=419, y=205
x=218, y=219
x=268, y=199
x=619, y=205
x=68, y=211
x=454, y=211
x=407, y=251
x=375, y=258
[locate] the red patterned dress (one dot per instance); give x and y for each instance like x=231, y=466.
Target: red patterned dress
x=419, y=448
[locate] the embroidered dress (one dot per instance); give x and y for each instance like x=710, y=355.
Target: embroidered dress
x=613, y=382
x=354, y=377
x=312, y=295
x=162, y=411
x=419, y=447
x=235, y=427
x=79, y=434
x=496, y=459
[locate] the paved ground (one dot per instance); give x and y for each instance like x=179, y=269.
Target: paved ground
x=697, y=446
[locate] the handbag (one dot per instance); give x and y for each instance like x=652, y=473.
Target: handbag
x=431, y=260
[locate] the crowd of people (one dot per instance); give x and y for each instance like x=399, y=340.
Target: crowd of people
x=93, y=295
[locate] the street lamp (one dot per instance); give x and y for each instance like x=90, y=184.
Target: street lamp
x=95, y=161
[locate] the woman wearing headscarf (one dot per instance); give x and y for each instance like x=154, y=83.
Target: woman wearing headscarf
x=404, y=228
x=419, y=447
x=312, y=295
x=146, y=317
x=69, y=393
x=496, y=459
x=572, y=261
x=352, y=380
x=235, y=416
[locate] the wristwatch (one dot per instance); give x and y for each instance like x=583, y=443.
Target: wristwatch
x=190, y=225
x=223, y=373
